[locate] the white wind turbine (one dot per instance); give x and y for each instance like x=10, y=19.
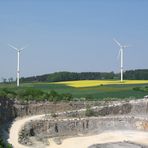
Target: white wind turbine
x=18, y=62
x=122, y=47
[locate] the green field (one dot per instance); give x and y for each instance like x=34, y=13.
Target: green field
x=99, y=92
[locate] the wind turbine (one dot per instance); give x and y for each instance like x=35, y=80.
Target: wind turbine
x=18, y=62
x=122, y=47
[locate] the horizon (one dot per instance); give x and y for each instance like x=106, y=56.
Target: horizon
x=80, y=72
x=85, y=72
x=72, y=36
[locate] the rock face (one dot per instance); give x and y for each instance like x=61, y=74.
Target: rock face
x=125, y=108
x=125, y=115
x=7, y=110
x=10, y=109
x=46, y=128
x=42, y=129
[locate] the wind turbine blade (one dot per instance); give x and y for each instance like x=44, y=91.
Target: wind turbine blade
x=117, y=42
x=23, y=47
x=12, y=47
x=119, y=53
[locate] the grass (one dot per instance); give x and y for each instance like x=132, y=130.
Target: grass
x=96, y=89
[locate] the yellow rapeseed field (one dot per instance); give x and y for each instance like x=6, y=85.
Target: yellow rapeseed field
x=91, y=83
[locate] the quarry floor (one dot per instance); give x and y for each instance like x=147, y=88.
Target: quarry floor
x=105, y=137
x=16, y=127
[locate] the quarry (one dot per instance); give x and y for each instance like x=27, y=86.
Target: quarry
x=92, y=124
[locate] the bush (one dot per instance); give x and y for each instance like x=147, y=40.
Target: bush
x=52, y=96
x=9, y=91
x=33, y=94
x=3, y=145
x=29, y=93
x=143, y=89
x=10, y=95
x=89, y=98
x=9, y=146
x=90, y=112
x=3, y=93
x=137, y=88
x=66, y=97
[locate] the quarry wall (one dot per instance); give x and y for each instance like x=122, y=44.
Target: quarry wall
x=10, y=109
x=129, y=115
x=73, y=127
x=7, y=110
x=109, y=115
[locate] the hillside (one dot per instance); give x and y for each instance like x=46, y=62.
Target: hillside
x=139, y=74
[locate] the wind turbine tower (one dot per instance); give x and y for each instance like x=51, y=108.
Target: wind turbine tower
x=18, y=62
x=121, y=54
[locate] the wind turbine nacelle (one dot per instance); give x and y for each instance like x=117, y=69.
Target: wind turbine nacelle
x=124, y=46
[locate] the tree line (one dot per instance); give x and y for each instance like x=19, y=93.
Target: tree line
x=68, y=76
x=138, y=74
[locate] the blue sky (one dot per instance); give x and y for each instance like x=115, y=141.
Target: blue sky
x=72, y=35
